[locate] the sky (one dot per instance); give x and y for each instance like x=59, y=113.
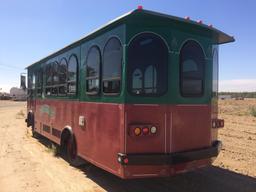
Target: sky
x=32, y=29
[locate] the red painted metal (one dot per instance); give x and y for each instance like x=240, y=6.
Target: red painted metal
x=107, y=127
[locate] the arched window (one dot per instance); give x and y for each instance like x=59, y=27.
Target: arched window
x=147, y=65
x=137, y=80
x=150, y=78
x=93, y=71
x=55, y=78
x=112, y=65
x=192, y=64
x=48, y=73
x=63, y=66
x=72, y=74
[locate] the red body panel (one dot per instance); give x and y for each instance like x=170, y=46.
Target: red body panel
x=106, y=132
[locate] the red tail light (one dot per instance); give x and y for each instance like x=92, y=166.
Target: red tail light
x=217, y=123
x=126, y=160
x=145, y=130
x=142, y=130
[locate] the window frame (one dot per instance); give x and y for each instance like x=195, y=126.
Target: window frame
x=121, y=68
x=215, y=61
x=130, y=76
x=181, y=70
x=99, y=77
x=47, y=76
x=76, y=80
x=39, y=82
x=65, y=83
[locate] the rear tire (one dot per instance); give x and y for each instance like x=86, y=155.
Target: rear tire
x=35, y=134
x=71, y=152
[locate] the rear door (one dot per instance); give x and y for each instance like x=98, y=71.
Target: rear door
x=191, y=117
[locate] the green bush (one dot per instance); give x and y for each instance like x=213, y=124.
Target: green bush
x=253, y=111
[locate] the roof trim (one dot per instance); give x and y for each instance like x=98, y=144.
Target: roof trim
x=221, y=36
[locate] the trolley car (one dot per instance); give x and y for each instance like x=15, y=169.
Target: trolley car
x=137, y=97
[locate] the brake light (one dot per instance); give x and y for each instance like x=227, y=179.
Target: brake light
x=217, y=123
x=145, y=130
x=142, y=130
x=126, y=160
x=221, y=123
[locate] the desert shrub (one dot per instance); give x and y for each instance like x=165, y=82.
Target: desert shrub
x=253, y=111
x=20, y=115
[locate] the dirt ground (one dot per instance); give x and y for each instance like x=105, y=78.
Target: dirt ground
x=28, y=165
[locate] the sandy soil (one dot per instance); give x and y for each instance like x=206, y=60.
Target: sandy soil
x=238, y=136
x=28, y=165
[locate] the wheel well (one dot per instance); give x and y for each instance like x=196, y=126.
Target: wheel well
x=66, y=133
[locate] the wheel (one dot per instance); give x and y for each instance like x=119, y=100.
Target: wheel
x=71, y=152
x=35, y=134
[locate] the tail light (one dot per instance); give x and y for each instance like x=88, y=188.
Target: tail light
x=142, y=130
x=217, y=123
x=137, y=131
x=145, y=130
x=153, y=129
x=123, y=159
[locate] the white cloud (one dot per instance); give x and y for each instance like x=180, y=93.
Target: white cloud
x=237, y=85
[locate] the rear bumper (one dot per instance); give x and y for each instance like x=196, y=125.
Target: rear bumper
x=171, y=158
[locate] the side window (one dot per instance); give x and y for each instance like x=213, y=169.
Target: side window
x=39, y=82
x=55, y=78
x=192, y=64
x=48, y=74
x=112, y=64
x=72, y=75
x=62, y=73
x=31, y=83
x=147, y=65
x=93, y=71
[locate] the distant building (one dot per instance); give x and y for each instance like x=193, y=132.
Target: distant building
x=4, y=96
x=18, y=94
x=224, y=97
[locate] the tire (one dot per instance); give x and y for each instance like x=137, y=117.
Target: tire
x=30, y=119
x=71, y=153
x=35, y=134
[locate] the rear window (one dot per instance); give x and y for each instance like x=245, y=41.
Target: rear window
x=147, y=65
x=192, y=64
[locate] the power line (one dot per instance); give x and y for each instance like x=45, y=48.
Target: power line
x=11, y=67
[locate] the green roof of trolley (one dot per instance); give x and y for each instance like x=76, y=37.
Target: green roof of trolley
x=220, y=37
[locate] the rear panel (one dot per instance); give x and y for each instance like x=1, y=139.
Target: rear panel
x=183, y=122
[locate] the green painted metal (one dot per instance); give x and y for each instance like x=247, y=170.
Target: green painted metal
x=175, y=32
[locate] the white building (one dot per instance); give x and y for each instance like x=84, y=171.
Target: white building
x=18, y=94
